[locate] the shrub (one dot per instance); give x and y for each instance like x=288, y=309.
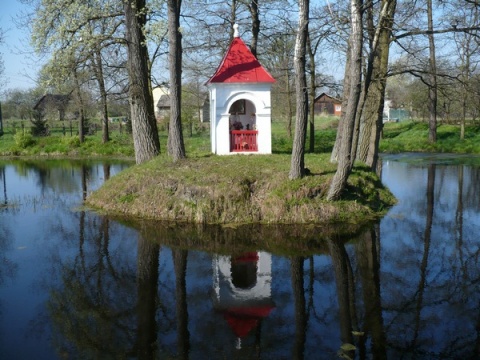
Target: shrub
x=72, y=141
x=23, y=139
x=40, y=127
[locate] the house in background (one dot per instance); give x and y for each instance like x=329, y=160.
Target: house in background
x=393, y=113
x=328, y=105
x=240, y=103
x=161, y=100
x=53, y=106
x=162, y=107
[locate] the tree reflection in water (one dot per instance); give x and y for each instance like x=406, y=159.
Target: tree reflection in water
x=403, y=288
x=102, y=322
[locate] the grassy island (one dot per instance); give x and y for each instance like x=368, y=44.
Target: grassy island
x=240, y=189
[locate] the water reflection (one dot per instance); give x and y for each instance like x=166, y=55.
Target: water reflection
x=242, y=285
x=80, y=285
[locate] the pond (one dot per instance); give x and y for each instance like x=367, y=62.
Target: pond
x=75, y=284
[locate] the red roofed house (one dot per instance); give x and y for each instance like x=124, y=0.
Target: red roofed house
x=328, y=105
x=240, y=114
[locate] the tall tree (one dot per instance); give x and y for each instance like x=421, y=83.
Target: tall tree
x=176, y=147
x=253, y=7
x=80, y=32
x=432, y=85
x=297, y=166
x=98, y=70
x=375, y=83
x=467, y=50
x=144, y=125
x=352, y=90
x=2, y=67
x=81, y=120
x=312, y=92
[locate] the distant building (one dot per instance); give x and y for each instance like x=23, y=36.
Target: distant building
x=392, y=113
x=163, y=104
x=162, y=107
x=160, y=97
x=328, y=105
x=53, y=105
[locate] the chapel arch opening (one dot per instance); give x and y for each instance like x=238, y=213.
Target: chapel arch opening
x=244, y=270
x=243, y=126
x=243, y=115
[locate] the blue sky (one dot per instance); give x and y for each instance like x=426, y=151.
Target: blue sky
x=21, y=66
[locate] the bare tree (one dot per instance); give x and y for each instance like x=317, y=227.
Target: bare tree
x=176, y=147
x=432, y=86
x=375, y=82
x=297, y=166
x=253, y=7
x=467, y=47
x=352, y=86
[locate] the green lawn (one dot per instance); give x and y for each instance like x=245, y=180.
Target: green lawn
x=17, y=140
x=408, y=136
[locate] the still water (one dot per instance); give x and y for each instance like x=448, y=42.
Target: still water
x=78, y=285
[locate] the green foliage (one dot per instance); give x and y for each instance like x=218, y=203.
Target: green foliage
x=71, y=141
x=23, y=139
x=40, y=127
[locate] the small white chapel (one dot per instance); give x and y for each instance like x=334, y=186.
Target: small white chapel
x=240, y=103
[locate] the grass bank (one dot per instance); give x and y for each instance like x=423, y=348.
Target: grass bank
x=240, y=189
x=17, y=141
x=412, y=136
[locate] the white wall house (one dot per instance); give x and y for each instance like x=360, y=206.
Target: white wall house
x=240, y=103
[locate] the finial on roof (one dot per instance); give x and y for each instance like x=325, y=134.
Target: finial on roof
x=235, y=30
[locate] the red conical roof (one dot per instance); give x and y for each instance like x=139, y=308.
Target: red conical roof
x=239, y=65
x=243, y=320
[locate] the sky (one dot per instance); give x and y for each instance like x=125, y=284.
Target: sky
x=21, y=66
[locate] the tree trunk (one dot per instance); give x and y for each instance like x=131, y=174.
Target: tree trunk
x=346, y=85
x=1, y=120
x=376, y=82
x=98, y=69
x=345, y=162
x=297, y=167
x=144, y=126
x=81, y=120
x=289, y=106
x=176, y=147
x=233, y=18
x=253, y=7
x=313, y=89
x=432, y=86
